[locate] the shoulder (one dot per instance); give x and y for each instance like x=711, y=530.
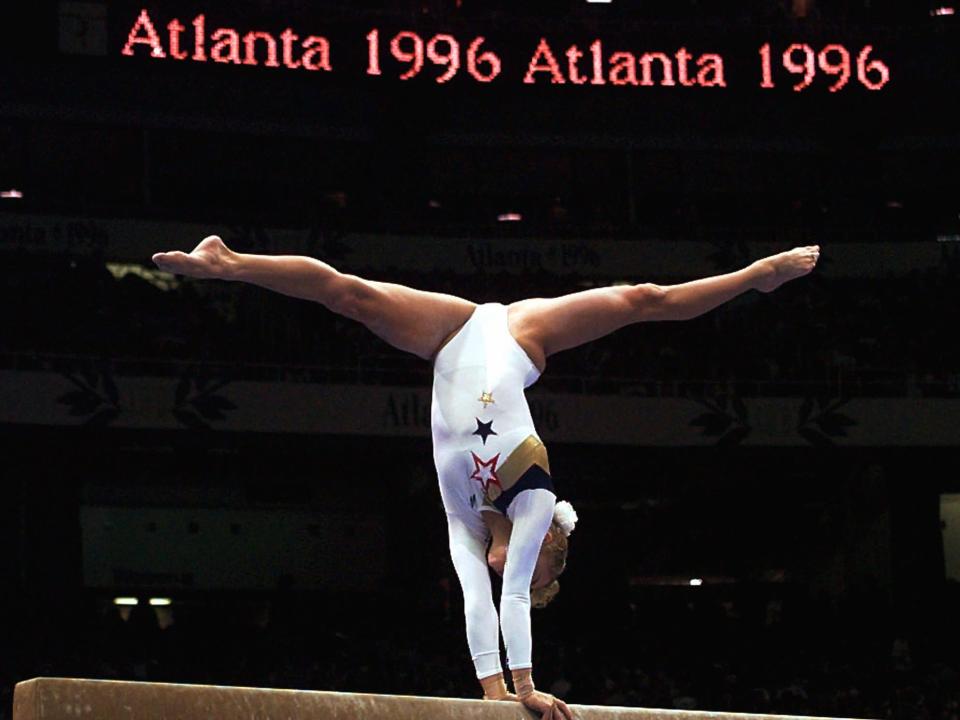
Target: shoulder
x=534, y=504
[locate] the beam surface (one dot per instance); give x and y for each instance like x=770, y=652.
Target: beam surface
x=74, y=699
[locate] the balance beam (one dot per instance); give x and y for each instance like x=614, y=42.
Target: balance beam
x=70, y=699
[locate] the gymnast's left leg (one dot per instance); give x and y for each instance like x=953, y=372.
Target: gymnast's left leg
x=544, y=326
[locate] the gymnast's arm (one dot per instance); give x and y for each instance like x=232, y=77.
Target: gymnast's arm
x=468, y=552
x=531, y=513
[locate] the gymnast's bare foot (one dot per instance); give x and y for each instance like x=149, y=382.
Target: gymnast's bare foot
x=210, y=259
x=774, y=271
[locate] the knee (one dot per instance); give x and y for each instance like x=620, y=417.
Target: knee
x=351, y=297
x=646, y=300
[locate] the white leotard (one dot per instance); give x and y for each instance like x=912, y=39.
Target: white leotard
x=479, y=416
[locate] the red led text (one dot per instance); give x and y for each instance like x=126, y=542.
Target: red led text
x=442, y=50
x=625, y=68
x=255, y=47
x=802, y=60
x=443, y=57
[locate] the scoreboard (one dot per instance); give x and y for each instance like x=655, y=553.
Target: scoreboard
x=553, y=78
x=443, y=57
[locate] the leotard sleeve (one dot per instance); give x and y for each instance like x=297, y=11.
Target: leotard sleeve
x=531, y=513
x=469, y=554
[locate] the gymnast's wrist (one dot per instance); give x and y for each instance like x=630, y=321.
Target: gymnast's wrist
x=523, y=682
x=494, y=688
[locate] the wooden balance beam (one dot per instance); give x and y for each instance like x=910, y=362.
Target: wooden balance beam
x=71, y=699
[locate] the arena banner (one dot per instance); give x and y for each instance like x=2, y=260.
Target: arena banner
x=135, y=241
x=92, y=400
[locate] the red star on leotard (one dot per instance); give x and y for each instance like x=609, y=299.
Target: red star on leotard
x=485, y=472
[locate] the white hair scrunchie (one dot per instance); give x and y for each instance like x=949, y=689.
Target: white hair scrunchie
x=565, y=517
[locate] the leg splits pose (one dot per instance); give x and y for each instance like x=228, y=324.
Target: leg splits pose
x=492, y=467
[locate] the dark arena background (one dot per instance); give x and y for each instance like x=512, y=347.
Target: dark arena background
x=208, y=483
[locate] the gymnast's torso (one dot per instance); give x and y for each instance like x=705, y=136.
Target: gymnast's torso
x=485, y=445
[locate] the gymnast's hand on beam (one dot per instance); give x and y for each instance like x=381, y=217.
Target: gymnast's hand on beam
x=210, y=259
x=494, y=688
x=549, y=707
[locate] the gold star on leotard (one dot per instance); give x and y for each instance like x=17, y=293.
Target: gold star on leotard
x=486, y=398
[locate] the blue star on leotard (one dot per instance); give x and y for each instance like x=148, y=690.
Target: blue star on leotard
x=484, y=430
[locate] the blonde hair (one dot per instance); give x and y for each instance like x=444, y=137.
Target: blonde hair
x=557, y=552
x=542, y=597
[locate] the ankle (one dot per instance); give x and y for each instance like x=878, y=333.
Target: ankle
x=761, y=275
x=229, y=265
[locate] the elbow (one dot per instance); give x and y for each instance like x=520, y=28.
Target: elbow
x=479, y=609
x=515, y=603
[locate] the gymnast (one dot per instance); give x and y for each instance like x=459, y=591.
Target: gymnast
x=492, y=467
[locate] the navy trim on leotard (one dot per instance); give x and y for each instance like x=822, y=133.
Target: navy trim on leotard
x=535, y=477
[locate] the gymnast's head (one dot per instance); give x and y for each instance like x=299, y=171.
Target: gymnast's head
x=552, y=560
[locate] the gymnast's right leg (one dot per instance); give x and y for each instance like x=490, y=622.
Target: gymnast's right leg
x=412, y=320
